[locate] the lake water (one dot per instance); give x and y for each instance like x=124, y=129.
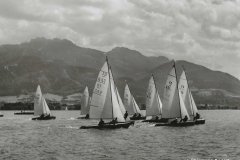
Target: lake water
x=60, y=139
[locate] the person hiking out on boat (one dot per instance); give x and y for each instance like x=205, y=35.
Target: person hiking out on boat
x=184, y=119
x=156, y=118
x=42, y=116
x=87, y=116
x=101, y=122
x=197, y=116
x=126, y=115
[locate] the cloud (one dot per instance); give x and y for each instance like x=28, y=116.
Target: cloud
x=206, y=32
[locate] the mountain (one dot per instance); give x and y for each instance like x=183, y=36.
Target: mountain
x=63, y=68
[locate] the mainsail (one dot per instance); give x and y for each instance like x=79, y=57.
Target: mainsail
x=153, y=101
x=40, y=104
x=171, y=103
x=85, y=102
x=185, y=94
x=129, y=102
x=105, y=102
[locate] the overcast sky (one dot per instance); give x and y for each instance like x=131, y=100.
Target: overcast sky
x=205, y=32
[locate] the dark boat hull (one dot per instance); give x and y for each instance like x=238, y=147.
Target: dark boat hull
x=200, y=121
x=1, y=115
x=109, y=126
x=184, y=124
x=44, y=118
x=162, y=120
x=137, y=118
x=23, y=113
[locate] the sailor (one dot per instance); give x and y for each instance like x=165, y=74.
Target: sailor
x=184, y=119
x=87, y=116
x=126, y=115
x=135, y=115
x=101, y=122
x=156, y=118
x=114, y=121
x=139, y=115
x=197, y=116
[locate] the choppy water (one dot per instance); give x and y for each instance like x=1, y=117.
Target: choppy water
x=22, y=138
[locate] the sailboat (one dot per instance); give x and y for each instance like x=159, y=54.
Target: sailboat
x=85, y=102
x=153, y=103
x=173, y=104
x=1, y=115
x=188, y=99
x=105, y=102
x=131, y=105
x=41, y=109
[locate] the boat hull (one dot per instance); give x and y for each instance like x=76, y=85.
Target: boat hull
x=137, y=118
x=184, y=124
x=24, y=113
x=110, y=126
x=44, y=118
x=162, y=120
x=200, y=121
x=1, y=115
x=82, y=118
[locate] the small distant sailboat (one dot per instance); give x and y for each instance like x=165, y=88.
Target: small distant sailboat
x=41, y=108
x=173, y=104
x=131, y=105
x=153, y=103
x=1, y=115
x=105, y=102
x=85, y=104
x=188, y=100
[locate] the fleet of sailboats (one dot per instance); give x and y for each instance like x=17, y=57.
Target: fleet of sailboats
x=176, y=108
x=41, y=109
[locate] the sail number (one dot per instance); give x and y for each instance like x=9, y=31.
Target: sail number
x=168, y=86
x=101, y=80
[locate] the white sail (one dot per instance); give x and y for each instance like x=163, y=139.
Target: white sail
x=185, y=93
x=130, y=102
x=153, y=101
x=184, y=111
x=101, y=97
x=40, y=105
x=117, y=113
x=194, y=106
x=85, y=102
x=171, y=108
x=123, y=110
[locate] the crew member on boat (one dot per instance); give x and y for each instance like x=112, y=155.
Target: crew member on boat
x=156, y=118
x=87, y=116
x=184, y=119
x=197, y=116
x=114, y=121
x=101, y=122
x=125, y=115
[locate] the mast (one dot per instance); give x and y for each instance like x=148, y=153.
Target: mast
x=188, y=91
x=174, y=65
x=110, y=83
